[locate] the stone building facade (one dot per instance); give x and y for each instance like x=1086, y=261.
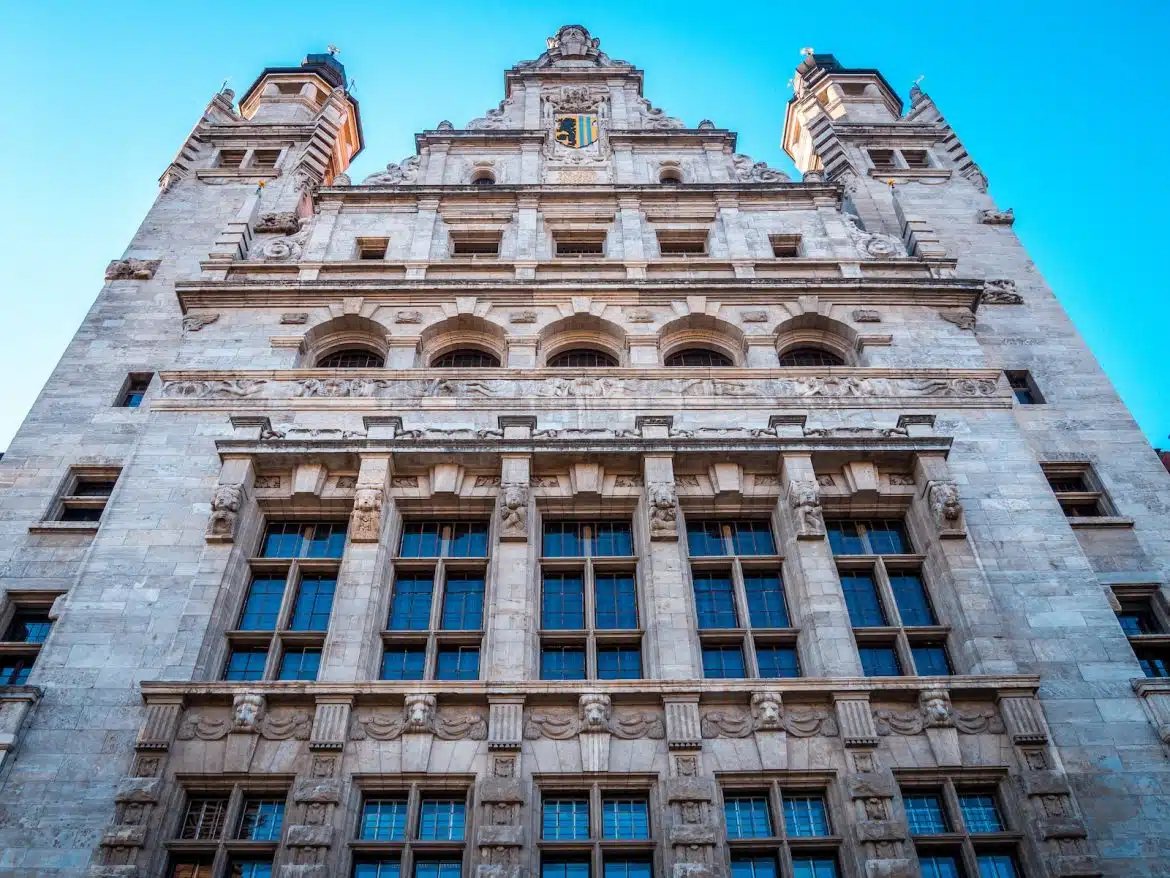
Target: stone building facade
x=579, y=496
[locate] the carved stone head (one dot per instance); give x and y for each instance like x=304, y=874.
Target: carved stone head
x=945, y=500
x=419, y=713
x=935, y=705
x=247, y=711
x=766, y=706
x=368, y=499
x=595, y=710
x=227, y=498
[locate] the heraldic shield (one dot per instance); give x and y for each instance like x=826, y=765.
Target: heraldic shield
x=576, y=131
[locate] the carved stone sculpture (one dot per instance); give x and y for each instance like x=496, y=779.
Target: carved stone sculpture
x=132, y=269
x=247, y=711
x=225, y=508
x=663, y=511
x=513, y=510
x=961, y=317
x=282, y=222
x=944, y=503
x=747, y=171
x=768, y=711
x=195, y=322
x=366, y=520
x=935, y=705
x=866, y=315
x=1001, y=291
x=419, y=713
x=404, y=172
x=806, y=504
x=991, y=217
x=595, y=711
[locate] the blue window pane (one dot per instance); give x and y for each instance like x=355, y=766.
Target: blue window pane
x=410, y=608
x=438, y=869
x=565, y=820
x=328, y=540
x=312, y=539
x=723, y=662
x=562, y=663
x=705, y=538
x=441, y=820
x=563, y=539
x=887, y=537
x=250, y=869
x=910, y=596
x=300, y=664
x=262, y=820
x=879, y=661
x=931, y=661
x=980, y=813
x=924, y=814
x=628, y=869
x=617, y=601
x=753, y=867
x=777, y=661
x=463, y=603
x=997, y=866
x=558, y=868
x=14, y=671
x=765, y=600
x=939, y=866
x=246, y=664
x=714, y=600
x=421, y=539
x=460, y=663
x=28, y=628
x=383, y=868
x=752, y=537
x=612, y=539
x=314, y=603
x=625, y=818
x=805, y=816
x=619, y=663
x=383, y=820
x=262, y=606
x=844, y=537
x=403, y=664
x=747, y=817
x=861, y=599
x=468, y=539
x=814, y=867
x=1154, y=662
x=563, y=602
x=282, y=539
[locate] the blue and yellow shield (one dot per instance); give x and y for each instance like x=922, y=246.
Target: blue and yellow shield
x=576, y=131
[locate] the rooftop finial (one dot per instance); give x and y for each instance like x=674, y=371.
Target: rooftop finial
x=332, y=49
x=808, y=50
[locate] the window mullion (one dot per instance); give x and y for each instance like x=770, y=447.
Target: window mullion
x=739, y=591
x=886, y=592
x=288, y=599
x=776, y=806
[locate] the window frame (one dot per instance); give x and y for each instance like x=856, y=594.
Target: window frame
x=22, y=655
x=738, y=568
x=683, y=243
x=1149, y=645
x=371, y=248
x=1021, y=381
x=467, y=243
x=786, y=246
x=435, y=640
x=1071, y=502
x=226, y=845
x=881, y=568
x=592, y=639
x=132, y=393
x=70, y=498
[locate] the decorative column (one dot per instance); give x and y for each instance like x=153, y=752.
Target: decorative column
x=527, y=243
x=738, y=251
x=320, y=235
x=420, y=239
x=511, y=636
x=633, y=250
x=500, y=835
x=826, y=637
x=690, y=796
x=672, y=644
x=350, y=643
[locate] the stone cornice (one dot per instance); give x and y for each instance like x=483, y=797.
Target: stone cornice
x=810, y=192
x=929, y=291
x=795, y=688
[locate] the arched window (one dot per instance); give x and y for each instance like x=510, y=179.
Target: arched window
x=670, y=176
x=697, y=357
x=581, y=358
x=483, y=177
x=810, y=356
x=351, y=358
x=466, y=358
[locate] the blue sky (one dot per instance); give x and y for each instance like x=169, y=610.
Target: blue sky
x=1062, y=104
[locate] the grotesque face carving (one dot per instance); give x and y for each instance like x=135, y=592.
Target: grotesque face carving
x=420, y=713
x=768, y=711
x=936, y=707
x=368, y=500
x=595, y=713
x=247, y=709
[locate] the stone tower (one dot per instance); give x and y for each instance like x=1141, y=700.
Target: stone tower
x=580, y=497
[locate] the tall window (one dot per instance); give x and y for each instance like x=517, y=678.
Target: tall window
x=417, y=830
x=435, y=625
x=589, y=624
x=26, y=629
x=581, y=358
x=744, y=626
x=241, y=824
x=894, y=622
x=1145, y=621
x=768, y=824
x=960, y=830
x=281, y=627
x=597, y=830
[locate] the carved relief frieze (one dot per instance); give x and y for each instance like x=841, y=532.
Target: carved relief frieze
x=738, y=722
x=593, y=714
x=132, y=269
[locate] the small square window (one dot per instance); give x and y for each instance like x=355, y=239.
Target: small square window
x=777, y=661
x=1136, y=618
x=916, y=158
x=475, y=243
x=1155, y=661
x=940, y=866
x=925, y=814
x=723, y=662
x=814, y=867
x=403, y=664
x=441, y=820
x=980, y=812
x=28, y=627
x=134, y=390
x=300, y=663
x=248, y=867
x=619, y=663
x=747, y=817
x=372, y=248
x=785, y=246
x=931, y=660
x=14, y=669
x=753, y=867
x=625, y=819
x=883, y=159
x=204, y=818
x=265, y=158
x=261, y=820
x=998, y=866
x=383, y=820
x=1077, y=490
x=805, y=816
x=565, y=820
x=458, y=663
x=1024, y=387
x=246, y=664
x=231, y=158
x=879, y=661
x=562, y=663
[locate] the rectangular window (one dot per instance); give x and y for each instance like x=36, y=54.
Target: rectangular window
x=925, y=814
x=814, y=867
x=261, y=820
x=931, y=660
x=314, y=602
x=246, y=664
x=619, y=663
x=752, y=832
x=1077, y=489
x=458, y=663
x=15, y=670
x=304, y=539
x=249, y=867
x=765, y=600
x=862, y=601
x=438, y=868
x=723, y=662
x=383, y=820
x=939, y=866
x=682, y=242
x=564, y=867
x=805, y=816
x=28, y=627
x=265, y=158
x=753, y=867
x=300, y=663
x=747, y=817
x=1024, y=387
x=627, y=819
x=382, y=867
x=562, y=663
x=134, y=390
x=412, y=820
x=441, y=820
x=785, y=246
x=372, y=248
x=715, y=601
x=998, y=866
x=916, y=158
x=475, y=242
x=231, y=158
x=626, y=868
x=578, y=244
x=563, y=605
x=85, y=494
x=262, y=607
x=565, y=820
x=403, y=664
x=910, y=597
x=616, y=601
x=463, y=602
x=204, y=818
x=882, y=159
x=447, y=539
x=879, y=661
x=410, y=606
x=777, y=661
x=191, y=866
x=867, y=537
x=980, y=812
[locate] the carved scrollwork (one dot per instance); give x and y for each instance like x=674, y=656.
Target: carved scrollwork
x=404, y=172
x=195, y=322
x=249, y=717
x=593, y=715
x=336, y=387
x=224, y=389
x=935, y=711
x=735, y=722
x=747, y=171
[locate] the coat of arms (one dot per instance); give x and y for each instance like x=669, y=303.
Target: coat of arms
x=576, y=131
